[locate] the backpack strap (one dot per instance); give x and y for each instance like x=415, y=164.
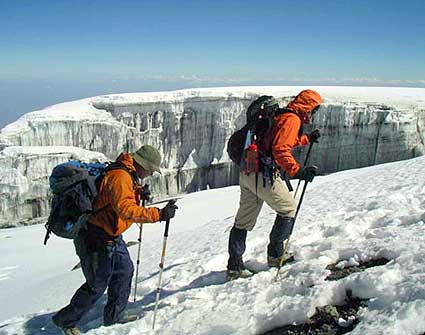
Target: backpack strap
x=111, y=167
x=118, y=166
x=115, y=166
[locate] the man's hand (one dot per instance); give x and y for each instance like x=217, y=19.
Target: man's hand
x=314, y=136
x=168, y=212
x=145, y=194
x=307, y=173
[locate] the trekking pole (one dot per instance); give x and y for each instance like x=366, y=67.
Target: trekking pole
x=161, y=266
x=138, y=254
x=282, y=260
x=145, y=194
x=305, y=164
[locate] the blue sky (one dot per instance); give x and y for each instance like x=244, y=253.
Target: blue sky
x=52, y=51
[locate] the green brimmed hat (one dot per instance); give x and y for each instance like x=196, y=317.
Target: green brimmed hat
x=148, y=157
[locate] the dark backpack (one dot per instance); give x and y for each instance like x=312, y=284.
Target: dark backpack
x=259, y=116
x=74, y=186
x=235, y=145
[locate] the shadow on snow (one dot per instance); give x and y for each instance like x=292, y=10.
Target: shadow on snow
x=42, y=323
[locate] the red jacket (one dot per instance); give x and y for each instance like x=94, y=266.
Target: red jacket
x=286, y=129
x=119, y=201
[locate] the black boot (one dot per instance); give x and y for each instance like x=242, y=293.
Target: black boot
x=235, y=266
x=237, y=245
x=65, y=330
x=281, y=231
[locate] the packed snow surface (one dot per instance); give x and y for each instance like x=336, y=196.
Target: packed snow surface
x=406, y=97
x=347, y=217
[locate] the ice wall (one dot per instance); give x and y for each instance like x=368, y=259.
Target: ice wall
x=358, y=135
x=360, y=127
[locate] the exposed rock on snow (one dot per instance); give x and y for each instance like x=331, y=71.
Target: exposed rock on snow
x=360, y=127
x=345, y=268
x=328, y=320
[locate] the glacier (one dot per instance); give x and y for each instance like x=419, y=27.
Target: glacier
x=361, y=126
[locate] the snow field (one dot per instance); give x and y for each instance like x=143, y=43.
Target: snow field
x=346, y=217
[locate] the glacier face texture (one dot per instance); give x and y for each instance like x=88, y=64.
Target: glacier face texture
x=24, y=179
x=360, y=127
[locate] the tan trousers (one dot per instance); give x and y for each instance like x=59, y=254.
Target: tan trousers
x=276, y=196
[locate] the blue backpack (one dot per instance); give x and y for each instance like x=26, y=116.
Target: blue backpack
x=74, y=186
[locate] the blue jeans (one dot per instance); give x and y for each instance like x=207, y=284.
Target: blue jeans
x=110, y=267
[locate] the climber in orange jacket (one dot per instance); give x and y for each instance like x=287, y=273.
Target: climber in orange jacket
x=104, y=257
x=285, y=134
x=288, y=131
x=119, y=195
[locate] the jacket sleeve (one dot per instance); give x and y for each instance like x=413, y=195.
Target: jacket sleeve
x=123, y=200
x=303, y=140
x=285, y=138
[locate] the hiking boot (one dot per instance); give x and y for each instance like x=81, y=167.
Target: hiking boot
x=273, y=262
x=126, y=318
x=235, y=274
x=64, y=330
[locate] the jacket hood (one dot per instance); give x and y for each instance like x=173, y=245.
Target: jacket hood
x=304, y=103
x=126, y=160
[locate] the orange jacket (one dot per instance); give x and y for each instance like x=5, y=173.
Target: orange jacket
x=287, y=126
x=119, y=201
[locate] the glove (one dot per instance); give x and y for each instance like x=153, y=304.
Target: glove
x=145, y=194
x=168, y=212
x=314, y=136
x=307, y=173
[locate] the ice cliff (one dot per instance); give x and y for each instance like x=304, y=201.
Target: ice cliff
x=360, y=127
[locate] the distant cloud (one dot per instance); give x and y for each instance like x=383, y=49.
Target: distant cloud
x=197, y=80
x=364, y=81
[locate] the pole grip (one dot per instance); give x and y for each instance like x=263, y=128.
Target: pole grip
x=167, y=222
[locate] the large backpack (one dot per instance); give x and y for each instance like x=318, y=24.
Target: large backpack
x=259, y=116
x=74, y=186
